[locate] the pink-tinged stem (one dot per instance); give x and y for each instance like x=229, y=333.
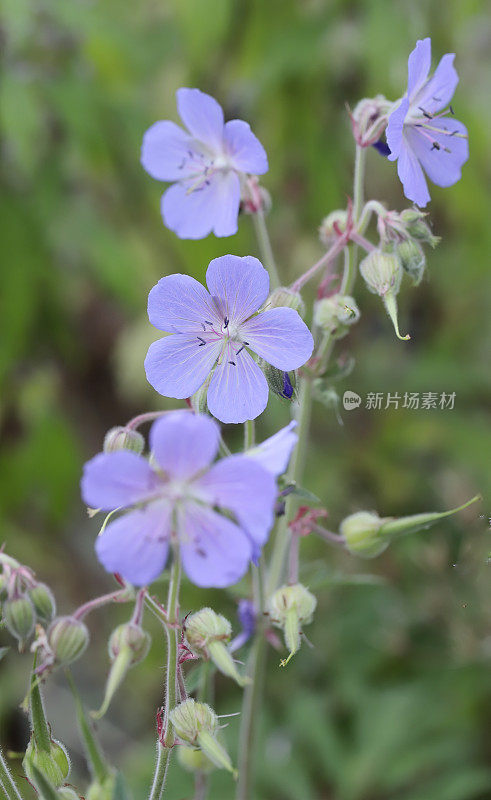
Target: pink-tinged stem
x=331, y=254
x=121, y=596
x=142, y=418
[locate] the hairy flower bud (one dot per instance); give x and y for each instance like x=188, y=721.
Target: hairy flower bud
x=53, y=763
x=369, y=119
x=128, y=645
x=382, y=273
x=291, y=607
x=284, y=297
x=207, y=634
x=121, y=438
x=19, y=618
x=67, y=793
x=3, y=587
x=333, y=226
x=417, y=228
x=67, y=638
x=335, y=314
x=194, y=760
x=197, y=724
x=44, y=602
x=102, y=790
x=413, y=259
x=361, y=534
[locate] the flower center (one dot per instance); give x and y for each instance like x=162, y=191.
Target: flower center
x=228, y=333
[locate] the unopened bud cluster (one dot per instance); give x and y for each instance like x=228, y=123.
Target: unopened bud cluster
x=24, y=601
x=290, y=608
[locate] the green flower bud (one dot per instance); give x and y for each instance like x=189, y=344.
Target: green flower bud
x=291, y=607
x=128, y=645
x=207, y=634
x=361, y=533
x=67, y=793
x=67, y=638
x=382, y=273
x=19, y=618
x=335, y=314
x=197, y=724
x=332, y=226
x=194, y=760
x=282, y=296
x=102, y=791
x=417, y=227
x=413, y=259
x=121, y=438
x=44, y=602
x=53, y=763
x=199, y=402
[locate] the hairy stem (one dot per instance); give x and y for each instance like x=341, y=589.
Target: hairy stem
x=265, y=248
x=7, y=782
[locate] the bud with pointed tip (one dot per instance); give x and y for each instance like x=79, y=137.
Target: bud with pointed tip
x=44, y=602
x=291, y=607
x=413, y=259
x=53, y=763
x=382, y=273
x=122, y=438
x=68, y=638
x=416, y=227
x=335, y=314
x=128, y=645
x=197, y=724
x=369, y=119
x=19, y=618
x=207, y=634
x=194, y=760
x=67, y=793
x=361, y=534
x=284, y=297
x=333, y=226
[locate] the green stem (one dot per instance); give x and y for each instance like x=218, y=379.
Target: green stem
x=164, y=748
x=358, y=182
x=265, y=248
x=40, y=727
x=249, y=434
x=7, y=782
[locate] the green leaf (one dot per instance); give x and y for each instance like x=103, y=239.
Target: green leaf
x=98, y=765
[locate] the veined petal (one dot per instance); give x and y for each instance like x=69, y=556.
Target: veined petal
x=274, y=453
x=180, y=304
x=227, y=202
x=117, y=480
x=243, y=486
x=240, y=285
x=192, y=212
x=280, y=336
x=202, y=116
x=439, y=90
x=136, y=545
x=215, y=551
x=176, y=365
x=184, y=443
x=394, y=129
x=411, y=176
x=168, y=152
x=419, y=64
x=245, y=149
x=237, y=391
x=442, y=166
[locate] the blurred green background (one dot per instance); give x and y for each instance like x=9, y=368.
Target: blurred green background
x=394, y=699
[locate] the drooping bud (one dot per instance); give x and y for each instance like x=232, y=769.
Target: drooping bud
x=413, y=259
x=207, y=634
x=19, y=618
x=333, y=226
x=67, y=638
x=414, y=221
x=283, y=296
x=382, y=273
x=194, y=760
x=44, y=602
x=280, y=382
x=121, y=438
x=197, y=724
x=335, y=314
x=291, y=607
x=53, y=762
x=361, y=534
x=369, y=119
x=128, y=645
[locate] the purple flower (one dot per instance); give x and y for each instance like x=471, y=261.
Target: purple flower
x=247, y=618
x=213, y=332
x=274, y=453
x=420, y=134
x=206, y=164
x=219, y=515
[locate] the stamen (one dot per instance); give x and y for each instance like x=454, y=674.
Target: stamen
x=226, y=322
x=201, y=341
x=233, y=363
x=425, y=113
x=239, y=350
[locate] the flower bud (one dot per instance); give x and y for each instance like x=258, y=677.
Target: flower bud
x=102, y=790
x=335, y=314
x=282, y=296
x=128, y=645
x=198, y=400
x=67, y=793
x=382, y=273
x=291, y=607
x=413, y=259
x=121, y=438
x=197, y=724
x=369, y=119
x=3, y=587
x=361, y=533
x=416, y=227
x=19, y=618
x=333, y=226
x=207, y=634
x=44, y=602
x=194, y=760
x=67, y=638
x=53, y=763
x=280, y=382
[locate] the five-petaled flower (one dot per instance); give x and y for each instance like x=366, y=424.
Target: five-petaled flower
x=420, y=134
x=208, y=163
x=213, y=331
x=218, y=514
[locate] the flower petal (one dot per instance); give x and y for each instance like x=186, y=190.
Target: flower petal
x=168, y=152
x=442, y=166
x=176, y=365
x=184, y=443
x=419, y=64
x=274, y=453
x=243, y=486
x=180, y=304
x=393, y=132
x=411, y=176
x=238, y=391
x=136, y=545
x=116, y=480
x=202, y=116
x=280, y=336
x=240, y=285
x=245, y=149
x=192, y=212
x=227, y=202
x=439, y=90
x=215, y=551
